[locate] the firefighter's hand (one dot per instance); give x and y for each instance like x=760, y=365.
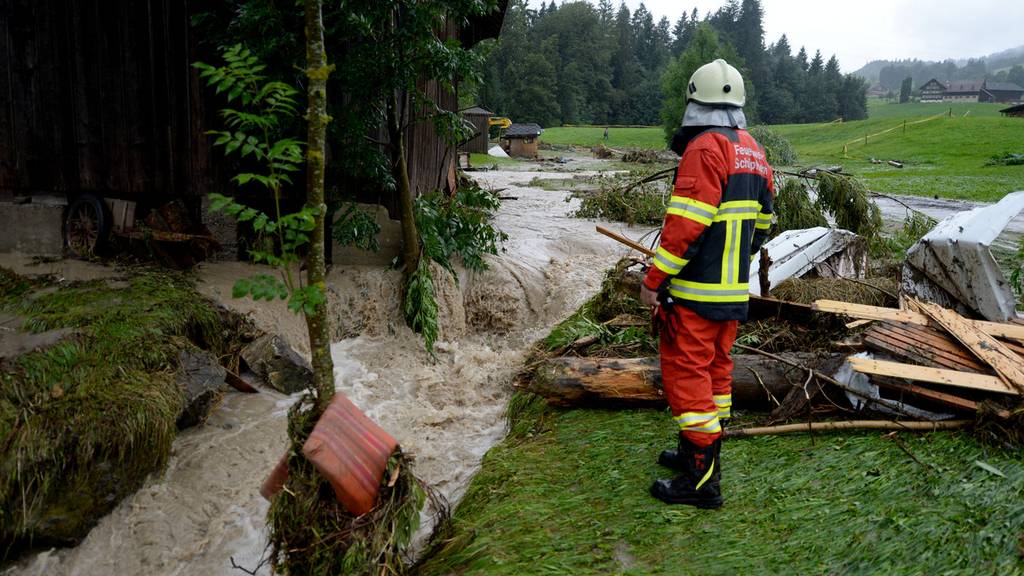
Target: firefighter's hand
x=648, y=296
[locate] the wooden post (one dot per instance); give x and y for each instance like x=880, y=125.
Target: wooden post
x=762, y=272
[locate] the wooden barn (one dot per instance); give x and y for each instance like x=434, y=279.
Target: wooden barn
x=104, y=105
x=481, y=121
x=1001, y=93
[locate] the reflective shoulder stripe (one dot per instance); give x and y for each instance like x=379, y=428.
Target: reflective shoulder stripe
x=668, y=263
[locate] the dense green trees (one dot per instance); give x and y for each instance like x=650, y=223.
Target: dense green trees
x=581, y=63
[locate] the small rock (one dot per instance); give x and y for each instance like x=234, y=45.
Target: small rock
x=201, y=378
x=273, y=359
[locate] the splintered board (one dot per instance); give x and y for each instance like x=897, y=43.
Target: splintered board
x=865, y=312
x=968, y=380
x=1007, y=364
x=922, y=345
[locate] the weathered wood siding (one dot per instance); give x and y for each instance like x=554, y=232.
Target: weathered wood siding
x=99, y=95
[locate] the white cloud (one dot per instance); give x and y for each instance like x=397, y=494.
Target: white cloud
x=865, y=30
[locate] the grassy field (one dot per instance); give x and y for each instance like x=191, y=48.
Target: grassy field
x=589, y=136
x=944, y=157
x=569, y=496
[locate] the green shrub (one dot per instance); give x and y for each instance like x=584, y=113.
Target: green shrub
x=779, y=150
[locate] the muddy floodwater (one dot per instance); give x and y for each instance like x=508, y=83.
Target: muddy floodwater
x=205, y=508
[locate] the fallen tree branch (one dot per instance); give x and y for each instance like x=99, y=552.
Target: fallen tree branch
x=652, y=178
x=848, y=425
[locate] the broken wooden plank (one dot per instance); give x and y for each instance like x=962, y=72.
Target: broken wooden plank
x=948, y=400
x=919, y=351
x=968, y=380
x=863, y=311
x=939, y=340
x=1007, y=364
x=849, y=425
x=571, y=381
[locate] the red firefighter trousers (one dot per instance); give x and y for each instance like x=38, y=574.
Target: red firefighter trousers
x=696, y=371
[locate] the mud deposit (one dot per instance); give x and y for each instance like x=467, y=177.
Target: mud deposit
x=205, y=508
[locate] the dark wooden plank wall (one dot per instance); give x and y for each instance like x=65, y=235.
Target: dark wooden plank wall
x=100, y=97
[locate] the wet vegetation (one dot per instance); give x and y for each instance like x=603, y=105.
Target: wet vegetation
x=85, y=421
x=567, y=493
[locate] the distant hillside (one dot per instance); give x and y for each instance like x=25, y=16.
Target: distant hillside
x=970, y=69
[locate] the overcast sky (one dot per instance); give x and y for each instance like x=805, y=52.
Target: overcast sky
x=863, y=30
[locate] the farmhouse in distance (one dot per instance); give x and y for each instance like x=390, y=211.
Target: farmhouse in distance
x=972, y=91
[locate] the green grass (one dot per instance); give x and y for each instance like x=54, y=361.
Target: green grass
x=485, y=160
x=570, y=497
x=590, y=136
x=944, y=157
x=84, y=422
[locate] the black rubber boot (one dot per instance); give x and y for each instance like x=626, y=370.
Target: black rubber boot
x=670, y=458
x=694, y=486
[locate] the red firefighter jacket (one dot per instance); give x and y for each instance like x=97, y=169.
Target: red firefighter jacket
x=719, y=215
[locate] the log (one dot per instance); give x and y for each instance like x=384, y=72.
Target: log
x=622, y=383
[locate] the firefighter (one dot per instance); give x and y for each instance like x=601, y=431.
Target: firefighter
x=717, y=220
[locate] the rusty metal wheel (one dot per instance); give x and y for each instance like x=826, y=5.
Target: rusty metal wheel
x=87, y=226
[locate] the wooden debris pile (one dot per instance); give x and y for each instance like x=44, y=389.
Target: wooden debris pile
x=939, y=358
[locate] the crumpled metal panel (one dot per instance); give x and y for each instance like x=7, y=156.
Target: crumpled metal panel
x=955, y=256
x=796, y=252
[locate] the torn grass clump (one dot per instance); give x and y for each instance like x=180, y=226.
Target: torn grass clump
x=85, y=421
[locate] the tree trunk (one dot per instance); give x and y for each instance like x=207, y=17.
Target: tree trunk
x=316, y=266
x=400, y=173
x=607, y=382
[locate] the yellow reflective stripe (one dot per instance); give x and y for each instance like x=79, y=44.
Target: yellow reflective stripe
x=764, y=221
x=707, y=476
x=723, y=401
x=712, y=427
x=669, y=263
x=685, y=213
x=725, y=413
x=762, y=217
x=763, y=226
x=671, y=257
x=693, y=209
x=738, y=210
x=725, y=254
x=701, y=292
x=689, y=418
x=740, y=204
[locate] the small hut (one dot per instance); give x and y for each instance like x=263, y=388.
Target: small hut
x=522, y=140
x=480, y=119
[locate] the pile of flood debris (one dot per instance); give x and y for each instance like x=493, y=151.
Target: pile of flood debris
x=940, y=347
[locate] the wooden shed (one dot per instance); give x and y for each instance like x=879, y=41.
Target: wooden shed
x=100, y=100
x=480, y=119
x=1013, y=111
x=522, y=140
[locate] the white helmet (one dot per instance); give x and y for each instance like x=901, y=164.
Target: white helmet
x=717, y=84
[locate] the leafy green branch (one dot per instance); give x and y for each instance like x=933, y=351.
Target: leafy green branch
x=253, y=131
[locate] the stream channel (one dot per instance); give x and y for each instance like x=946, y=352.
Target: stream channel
x=205, y=510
